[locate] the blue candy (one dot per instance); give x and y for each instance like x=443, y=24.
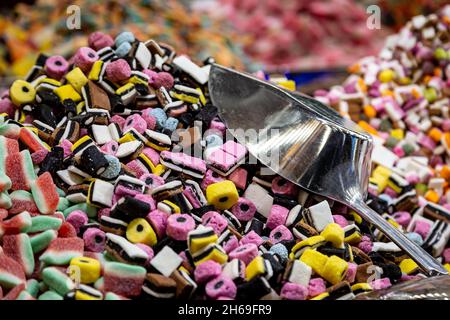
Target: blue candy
x=124, y=37
x=123, y=49
x=113, y=169
x=160, y=117
x=281, y=251
x=171, y=124
x=415, y=237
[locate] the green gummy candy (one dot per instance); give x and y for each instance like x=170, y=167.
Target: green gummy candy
x=43, y=223
x=57, y=280
x=25, y=295
x=63, y=204
x=50, y=295
x=90, y=210
x=27, y=251
x=112, y=296
x=123, y=269
x=99, y=283
x=5, y=200
x=60, y=192
x=42, y=240
x=42, y=286
x=33, y=287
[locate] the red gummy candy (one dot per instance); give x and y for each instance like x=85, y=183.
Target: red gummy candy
x=66, y=244
x=19, y=206
x=48, y=190
x=14, y=170
x=11, y=267
x=67, y=231
x=14, y=293
x=3, y=214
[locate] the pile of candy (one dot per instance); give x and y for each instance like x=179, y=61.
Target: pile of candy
x=402, y=97
x=302, y=34
x=42, y=27
x=118, y=181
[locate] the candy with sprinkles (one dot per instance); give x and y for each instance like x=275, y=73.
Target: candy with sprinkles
x=18, y=247
x=123, y=279
x=44, y=194
x=11, y=272
x=62, y=250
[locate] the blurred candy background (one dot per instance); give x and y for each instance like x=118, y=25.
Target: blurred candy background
x=304, y=40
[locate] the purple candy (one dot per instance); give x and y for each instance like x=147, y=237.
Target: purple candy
x=56, y=67
x=158, y=221
x=280, y=233
x=99, y=40
x=85, y=58
x=179, y=225
x=206, y=271
x=252, y=237
x=118, y=70
x=316, y=286
x=221, y=286
x=94, y=240
x=77, y=219
x=246, y=253
x=137, y=122
x=244, y=209
x=293, y=291
x=110, y=147
x=215, y=220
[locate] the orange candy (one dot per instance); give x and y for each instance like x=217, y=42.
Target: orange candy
x=435, y=134
x=370, y=111
x=368, y=127
x=445, y=172
x=432, y=196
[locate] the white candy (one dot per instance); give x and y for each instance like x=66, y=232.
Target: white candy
x=102, y=193
x=300, y=273
x=260, y=197
x=320, y=215
x=185, y=64
x=101, y=134
x=132, y=250
x=166, y=261
x=143, y=55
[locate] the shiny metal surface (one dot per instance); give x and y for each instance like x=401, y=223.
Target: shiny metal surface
x=313, y=145
x=436, y=288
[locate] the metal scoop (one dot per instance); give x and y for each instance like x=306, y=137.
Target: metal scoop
x=316, y=148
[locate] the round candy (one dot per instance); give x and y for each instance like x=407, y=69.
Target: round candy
x=99, y=40
x=215, y=220
x=56, y=67
x=179, y=225
x=22, y=92
x=87, y=270
x=77, y=219
x=246, y=253
x=223, y=195
x=140, y=231
x=85, y=58
x=280, y=233
x=293, y=291
x=94, y=240
x=118, y=70
x=244, y=209
x=221, y=286
x=206, y=271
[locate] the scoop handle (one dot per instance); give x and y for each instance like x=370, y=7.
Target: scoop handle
x=425, y=261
